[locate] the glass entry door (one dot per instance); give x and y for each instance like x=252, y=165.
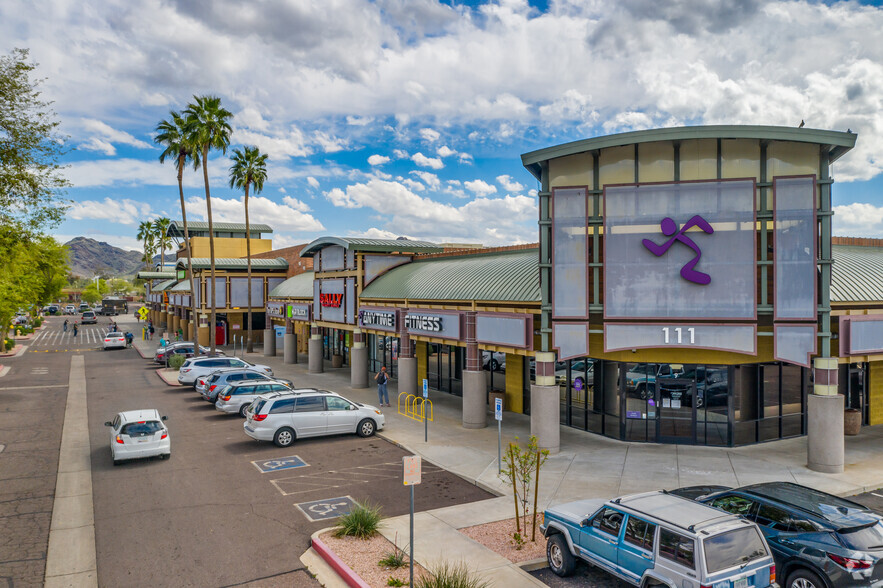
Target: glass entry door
x=675, y=420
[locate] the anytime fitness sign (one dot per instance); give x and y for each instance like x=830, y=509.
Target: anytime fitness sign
x=438, y=325
x=385, y=320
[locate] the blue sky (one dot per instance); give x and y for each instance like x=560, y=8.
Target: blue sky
x=408, y=117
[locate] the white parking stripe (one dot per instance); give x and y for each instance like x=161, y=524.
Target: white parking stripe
x=877, y=495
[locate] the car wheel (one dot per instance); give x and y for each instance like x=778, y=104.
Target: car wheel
x=495, y=365
x=803, y=578
x=242, y=410
x=284, y=437
x=366, y=428
x=165, y=456
x=117, y=462
x=560, y=559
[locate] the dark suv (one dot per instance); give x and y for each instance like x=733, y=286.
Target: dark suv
x=818, y=540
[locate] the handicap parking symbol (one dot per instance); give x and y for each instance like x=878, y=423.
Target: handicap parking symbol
x=327, y=508
x=266, y=466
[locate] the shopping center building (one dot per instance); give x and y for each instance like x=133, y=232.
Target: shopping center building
x=686, y=288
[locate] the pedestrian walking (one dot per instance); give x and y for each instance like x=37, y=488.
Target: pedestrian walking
x=75, y=329
x=150, y=331
x=64, y=326
x=382, y=380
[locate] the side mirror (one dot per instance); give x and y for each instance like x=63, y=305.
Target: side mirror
x=108, y=424
x=165, y=418
x=584, y=523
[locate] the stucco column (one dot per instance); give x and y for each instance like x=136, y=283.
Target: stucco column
x=359, y=361
x=270, y=342
x=825, y=447
x=316, y=364
x=203, y=333
x=185, y=328
x=474, y=385
x=544, y=412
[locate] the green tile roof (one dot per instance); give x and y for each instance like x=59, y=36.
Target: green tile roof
x=371, y=245
x=857, y=274
x=299, y=286
x=155, y=275
x=504, y=276
x=216, y=226
x=235, y=263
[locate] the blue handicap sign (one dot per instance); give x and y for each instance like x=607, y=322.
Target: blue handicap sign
x=266, y=466
x=327, y=508
x=425, y=388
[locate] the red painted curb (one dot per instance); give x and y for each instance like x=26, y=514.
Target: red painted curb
x=344, y=571
x=176, y=384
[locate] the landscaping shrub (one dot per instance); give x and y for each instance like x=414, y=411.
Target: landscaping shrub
x=449, y=575
x=176, y=361
x=361, y=522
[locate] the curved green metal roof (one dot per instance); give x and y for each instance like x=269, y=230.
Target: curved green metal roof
x=371, y=245
x=857, y=274
x=838, y=142
x=226, y=263
x=155, y=275
x=299, y=286
x=216, y=226
x=166, y=285
x=504, y=276
x=182, y=286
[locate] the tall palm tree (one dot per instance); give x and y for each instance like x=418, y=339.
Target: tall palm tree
x=208, y=127
x=161, y=226
x=147, y=234
x=172, y=135
x=249, y=168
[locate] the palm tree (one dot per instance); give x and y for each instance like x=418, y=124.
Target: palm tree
x=172, y=135
x=208, y=127
x=146, y=233
x=249, y=167
x=161, y=225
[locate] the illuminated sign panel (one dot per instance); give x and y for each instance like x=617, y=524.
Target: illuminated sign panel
x=680, y=251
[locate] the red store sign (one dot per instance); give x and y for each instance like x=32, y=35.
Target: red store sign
x=332, y=300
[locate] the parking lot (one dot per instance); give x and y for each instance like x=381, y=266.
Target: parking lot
x=227, y=510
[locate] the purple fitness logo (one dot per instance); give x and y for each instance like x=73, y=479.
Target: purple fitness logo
x=669, y=227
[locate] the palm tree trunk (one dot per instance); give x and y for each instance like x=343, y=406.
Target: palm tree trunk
x=249, y=344
x=211, y=249
x=193, y=317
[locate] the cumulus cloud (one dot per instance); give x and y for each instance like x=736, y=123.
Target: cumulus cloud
x=428, y=178
x=480, y=187
x=123, y=211
x=378, y=159
x=290, y=215
x=423, y=161
x=509, y=184
x=103, y=136
x=430, y=135
x=858, y=219
x=445, y=151
x=328, y=143
x=313, y=182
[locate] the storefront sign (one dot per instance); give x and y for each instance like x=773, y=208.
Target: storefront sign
x=378, y=319
x=276, y=309
x=299, y=312
x=331, y=300
x=497, y=328
x=437, y=325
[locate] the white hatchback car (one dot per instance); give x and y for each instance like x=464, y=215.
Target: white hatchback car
x=198, y=367
x=286, y=416
x=139, y=433
x=114, y=341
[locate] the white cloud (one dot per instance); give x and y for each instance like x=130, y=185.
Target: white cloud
x=103, y=136
x=328, y=143
x=313, y=182
x=123, y=211
x=487, y=220
x=135, y=172
x=96, y=144
x=290, y=215
x=428, y=178
x=445, y=151
x=400, y=154
x=423, y=161
x=430, y=135
x=413, y=184
x=378, y=159
x=480, y=187
x=509, y=184
x=359, y=121
x=858, y=219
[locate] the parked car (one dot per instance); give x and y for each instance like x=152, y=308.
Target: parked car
x=70, y=309
x=819, y=540
x=236, y=396
x=89, y=318
x=196, y=367
x=641, y=379
x=495, y=361
x=114, y=340
x=582, y=377
x=284, y=417
x=83, y=307
x=53, y=309
x=162, y=354
x=139, y=433
x=209, y=386
x=658, y=539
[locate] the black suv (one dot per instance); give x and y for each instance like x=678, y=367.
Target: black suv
x=818, y=540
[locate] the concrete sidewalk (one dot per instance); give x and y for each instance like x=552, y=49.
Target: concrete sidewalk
x=587, y=466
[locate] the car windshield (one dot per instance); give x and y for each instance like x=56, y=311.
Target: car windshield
x=865, y=538
x=141, y=429
x=733, y=548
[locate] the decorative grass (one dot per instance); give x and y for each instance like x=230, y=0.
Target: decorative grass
x=361, y=522
x=450, y=575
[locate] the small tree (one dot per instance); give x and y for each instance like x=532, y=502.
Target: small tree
x=523, y=471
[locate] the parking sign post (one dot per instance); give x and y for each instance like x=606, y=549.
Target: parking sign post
x=425, y=422
x=498, y=414
x=411, y=477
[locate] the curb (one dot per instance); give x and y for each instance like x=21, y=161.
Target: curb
x=344, y=571
x=18, y=350
x=159, y=372
x=534, y=564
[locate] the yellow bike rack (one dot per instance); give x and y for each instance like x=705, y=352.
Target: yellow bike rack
x=414, y=407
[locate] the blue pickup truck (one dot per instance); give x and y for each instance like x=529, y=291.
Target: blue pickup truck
x=658, y=539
